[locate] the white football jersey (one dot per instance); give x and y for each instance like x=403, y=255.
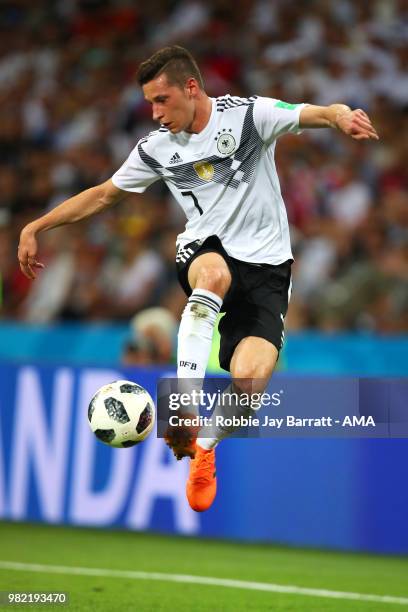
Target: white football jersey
x=224, y=178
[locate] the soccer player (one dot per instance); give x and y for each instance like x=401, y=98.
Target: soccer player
x=216, y=155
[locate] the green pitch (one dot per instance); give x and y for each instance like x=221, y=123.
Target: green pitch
x=113, y=551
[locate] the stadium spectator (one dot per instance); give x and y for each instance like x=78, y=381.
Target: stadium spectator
x=71, y=112
x=152, y=339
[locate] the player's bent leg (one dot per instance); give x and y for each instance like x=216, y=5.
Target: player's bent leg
x=210, y=278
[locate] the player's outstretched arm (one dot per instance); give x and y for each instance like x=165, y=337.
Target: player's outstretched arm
x=80, y=206
x=354, y=123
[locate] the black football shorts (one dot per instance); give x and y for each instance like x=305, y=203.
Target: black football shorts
x=256, y=302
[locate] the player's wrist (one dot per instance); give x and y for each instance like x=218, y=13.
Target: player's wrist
x=28, y=231
x=35, y=227
x=340, y=112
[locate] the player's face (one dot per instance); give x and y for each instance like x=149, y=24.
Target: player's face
x=172, y=106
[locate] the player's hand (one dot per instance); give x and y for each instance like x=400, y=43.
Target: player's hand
x=27, y=252
x=356, y=124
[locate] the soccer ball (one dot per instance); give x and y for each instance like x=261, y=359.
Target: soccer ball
x=121, y=414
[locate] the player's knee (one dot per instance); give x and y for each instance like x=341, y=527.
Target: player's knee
x=251, y=378
x=214, y=278
x=251, y=370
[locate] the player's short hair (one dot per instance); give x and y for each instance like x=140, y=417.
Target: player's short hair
x=175, y=62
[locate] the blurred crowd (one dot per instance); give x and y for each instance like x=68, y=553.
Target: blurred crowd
x=71, y=111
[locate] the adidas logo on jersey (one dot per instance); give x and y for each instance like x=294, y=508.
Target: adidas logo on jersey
x=175, y=159
x=183, y=254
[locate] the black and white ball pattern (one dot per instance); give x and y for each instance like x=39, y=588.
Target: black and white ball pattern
x=121, y=414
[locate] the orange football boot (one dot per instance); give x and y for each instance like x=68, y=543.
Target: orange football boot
x=202, y=482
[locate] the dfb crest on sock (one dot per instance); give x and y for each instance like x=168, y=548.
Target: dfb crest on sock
x=195, y=333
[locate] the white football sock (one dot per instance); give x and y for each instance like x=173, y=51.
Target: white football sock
x=226, y=408
x=195, y=337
